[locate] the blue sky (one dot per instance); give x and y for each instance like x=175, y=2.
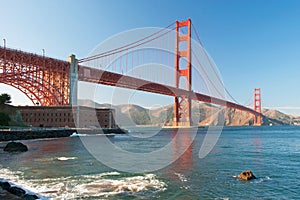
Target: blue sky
x=254, y=43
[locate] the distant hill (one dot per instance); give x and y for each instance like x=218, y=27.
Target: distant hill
x=126, y=114
x=92, y=104
x=277, y=117
x=203, y=114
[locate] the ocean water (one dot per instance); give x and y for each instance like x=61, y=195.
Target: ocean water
x=64, y=169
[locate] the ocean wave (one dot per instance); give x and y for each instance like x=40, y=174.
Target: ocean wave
x=81, y=186
x=108, y=187
x=27, y=192
x=62, y=158
x=15, y=179
x=87, y=135
x=75, y=134
x=102, y=175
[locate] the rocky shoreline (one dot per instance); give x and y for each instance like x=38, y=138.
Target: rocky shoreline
x=17, y=191
x=9, y=190
x=8, y=135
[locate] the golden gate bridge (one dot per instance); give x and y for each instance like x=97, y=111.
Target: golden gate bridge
x=50, y=82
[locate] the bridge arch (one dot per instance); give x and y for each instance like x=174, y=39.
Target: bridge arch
x=30, y=92
x=18, y=97
x=43, y=80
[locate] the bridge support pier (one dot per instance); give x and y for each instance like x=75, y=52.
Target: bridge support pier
x=182, y=104
x=257, y=107
x=73, y=80
x=73, y=101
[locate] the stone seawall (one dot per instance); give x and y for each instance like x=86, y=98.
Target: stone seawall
x=33, y=134
x=8, y=135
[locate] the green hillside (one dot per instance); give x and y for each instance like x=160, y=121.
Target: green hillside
x=13, y=114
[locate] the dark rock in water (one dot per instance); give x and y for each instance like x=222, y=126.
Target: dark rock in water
x=30, y=197
x=246, y=175
x=5, y=185
x=17, y=191
x=15, y=147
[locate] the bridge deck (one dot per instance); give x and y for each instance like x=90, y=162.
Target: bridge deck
x=109, y=78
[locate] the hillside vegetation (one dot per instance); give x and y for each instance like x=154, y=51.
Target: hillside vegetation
x=203, y=114
x=13, y=114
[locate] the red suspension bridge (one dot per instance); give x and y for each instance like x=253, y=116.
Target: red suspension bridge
x=167, y=61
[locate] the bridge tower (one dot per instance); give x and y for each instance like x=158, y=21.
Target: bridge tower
x=73, y=80
x=257, y=107
x=182, y=104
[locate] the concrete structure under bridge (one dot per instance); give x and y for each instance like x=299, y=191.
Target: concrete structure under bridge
x=66, y=116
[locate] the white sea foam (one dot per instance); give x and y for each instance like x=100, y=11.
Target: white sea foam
x=108, y=187
x=25, y=189
x=181, y=177
x=268, y=178
x=66, y=158
x=100, y=185
x=87, y=135
x=260, y=180
x=16, y=179
x=101, y=175
x=63, y=158
x=75, y=134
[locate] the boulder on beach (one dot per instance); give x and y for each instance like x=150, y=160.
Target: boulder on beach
x=246, y=175
x=15, y=147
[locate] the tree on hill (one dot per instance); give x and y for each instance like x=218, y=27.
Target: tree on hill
x=4, y=119
x=5, y=99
